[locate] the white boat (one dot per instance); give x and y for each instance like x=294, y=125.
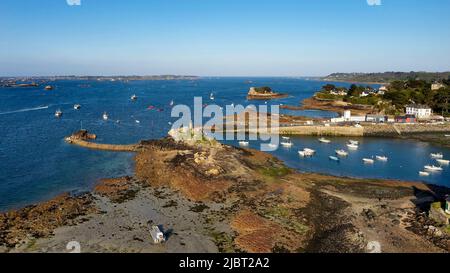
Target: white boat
x=433, y=168
x=443, y=161
x=171, y=103
x=134, y=97
x=137, y=121
x=368, y=161
x=382, y=158
x=352, y=146
x=341, y=153
x=324, y=140
x=211, y=96
x=77, y=107
x=437, y=155
x=274, y=146
x=243, y=143
x=285, y=138
x=287, y=144
x=157, y=235
x=58, y=113
x=306, y=152
x=424, y=173
x=354, y=142
x=105, y=116
x=334, y=158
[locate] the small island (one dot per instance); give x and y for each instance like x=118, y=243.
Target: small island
x=264, y=93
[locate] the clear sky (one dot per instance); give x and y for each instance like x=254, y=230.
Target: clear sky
x=222, y=37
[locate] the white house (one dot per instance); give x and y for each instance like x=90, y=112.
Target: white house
x=437, y=86
x=419, y=110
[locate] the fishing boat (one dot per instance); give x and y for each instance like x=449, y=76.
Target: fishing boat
x=77, y=107
x=437, y=155
x=334, y=158
x=421, y=173
x=443, y=161
x=105, y=116
x=381, y=158
x=433, y=168
x=368, y=161
x=243, y=143
x=354, y=142
x=352, y=146
x=134, y=97
x=324, y=140
x=58, y=113
x=341, y=153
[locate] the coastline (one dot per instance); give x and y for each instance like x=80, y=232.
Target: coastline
x=238, y=195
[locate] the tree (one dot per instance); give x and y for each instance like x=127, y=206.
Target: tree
x=329, y=87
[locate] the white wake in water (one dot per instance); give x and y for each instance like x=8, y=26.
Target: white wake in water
x=25, y=110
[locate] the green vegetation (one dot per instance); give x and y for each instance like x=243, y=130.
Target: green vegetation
x=275, y=172
x=352, y=95
x=388, y=77
x=436, y=205
x=402, y=93
x=263, y=90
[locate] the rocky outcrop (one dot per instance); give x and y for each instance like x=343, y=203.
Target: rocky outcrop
x=264, y=93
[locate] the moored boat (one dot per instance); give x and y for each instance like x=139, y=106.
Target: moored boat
x=443, y=161
x=77, y=107
x=324, y=140
x=306, y=152
x=334, y=158
x=381, y=158
x=354, y=142
x=437, y=155
x=243, y=143
x=134, y=97
x=433, y=168
x=352, y=146
x=287, y=144
x=58, y=113
x=421, y=173
x=341, y=153
x=368, y=161
x=105, y=116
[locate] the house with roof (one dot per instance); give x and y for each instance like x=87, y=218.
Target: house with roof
x=437, y=86
x=419, y=110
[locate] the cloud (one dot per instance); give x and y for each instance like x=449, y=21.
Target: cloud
x=374, y=2
x=73, y=2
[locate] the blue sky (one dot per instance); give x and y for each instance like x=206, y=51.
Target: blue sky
x=222, y=37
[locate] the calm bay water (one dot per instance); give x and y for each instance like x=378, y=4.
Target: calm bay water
x=36, y=164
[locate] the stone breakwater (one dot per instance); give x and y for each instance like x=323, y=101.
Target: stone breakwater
x=380, y=130
x=103, y=147
x=404, y=129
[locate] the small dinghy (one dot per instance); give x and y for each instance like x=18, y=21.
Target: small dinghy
x=437, y=155
x=433, y=168
x=243, y=143
x=443, y=161
x=286, y=138
x=134, y=97
x=341, y=153
x=424, y=173
x=324, y=140
x=368, y=161
x=287, y=144
x=77, y=107
x=333, y=158
x=105, y=116
x=381, y=158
